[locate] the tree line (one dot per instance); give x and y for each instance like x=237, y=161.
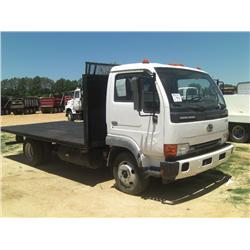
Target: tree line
x=37, y=86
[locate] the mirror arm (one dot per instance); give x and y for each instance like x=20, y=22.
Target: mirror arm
x=155, y=117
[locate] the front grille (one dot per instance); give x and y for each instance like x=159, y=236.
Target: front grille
x=199, y=149
x=205, y=145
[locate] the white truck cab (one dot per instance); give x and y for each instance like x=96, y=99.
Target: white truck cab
x=169, y=135
x=74, y=106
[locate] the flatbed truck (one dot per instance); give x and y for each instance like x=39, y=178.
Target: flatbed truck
x=136, y=123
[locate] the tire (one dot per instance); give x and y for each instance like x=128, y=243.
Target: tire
x=33, y=152
x=70, y=116
x=129, y=179
x=239, y=133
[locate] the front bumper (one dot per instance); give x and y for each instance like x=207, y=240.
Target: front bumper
x=170, y=171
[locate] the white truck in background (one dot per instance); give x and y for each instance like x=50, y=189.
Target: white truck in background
x=73, y=109
x=238, y=106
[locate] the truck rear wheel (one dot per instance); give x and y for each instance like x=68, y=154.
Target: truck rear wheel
x=239, y=133
x=129, y=179
x=33, y=152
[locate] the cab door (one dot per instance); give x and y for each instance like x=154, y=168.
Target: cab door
x=127, y=122
x=77, y=100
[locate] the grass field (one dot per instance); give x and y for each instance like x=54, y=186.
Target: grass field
x=239, y=168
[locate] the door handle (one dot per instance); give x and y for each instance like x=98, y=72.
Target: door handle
x=114, y=123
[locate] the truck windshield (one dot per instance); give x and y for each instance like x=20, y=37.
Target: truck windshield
x=191, y=91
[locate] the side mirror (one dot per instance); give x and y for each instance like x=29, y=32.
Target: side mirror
x=137, y=88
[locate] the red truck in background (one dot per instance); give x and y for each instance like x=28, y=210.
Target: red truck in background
x=54, y=104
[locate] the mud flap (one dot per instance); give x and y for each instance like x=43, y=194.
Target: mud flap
x=169, y=171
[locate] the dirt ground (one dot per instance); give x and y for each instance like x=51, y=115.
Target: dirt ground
x=58, y=189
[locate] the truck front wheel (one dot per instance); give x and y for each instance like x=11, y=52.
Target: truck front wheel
x=129, y=179
x=239, y=133
x=33, y=152
x=70, y=116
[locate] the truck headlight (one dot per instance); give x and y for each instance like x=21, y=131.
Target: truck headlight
x=175, y=149
x=182, y=149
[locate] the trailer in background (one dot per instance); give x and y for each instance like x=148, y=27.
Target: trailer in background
x=51, y=104
x=68, y=95
x=238, y=106
x=5, y=105
x=54, y=104
x=24, y=105
x=243, y=88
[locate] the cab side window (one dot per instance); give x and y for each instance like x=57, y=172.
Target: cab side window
x=77, y=94
x=124, y=91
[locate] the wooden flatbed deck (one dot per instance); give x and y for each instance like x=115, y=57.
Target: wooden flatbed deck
x=61, y=132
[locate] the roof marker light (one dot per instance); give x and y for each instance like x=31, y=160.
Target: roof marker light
x=177, y=64
x=198, y=68
x=145, y=60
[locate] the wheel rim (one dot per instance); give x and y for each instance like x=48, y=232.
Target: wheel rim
x=127, y=175
x=69, y=117
x=29, y=153
x=238, y=132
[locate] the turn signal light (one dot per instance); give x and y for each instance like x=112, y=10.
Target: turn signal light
x=170, y=150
